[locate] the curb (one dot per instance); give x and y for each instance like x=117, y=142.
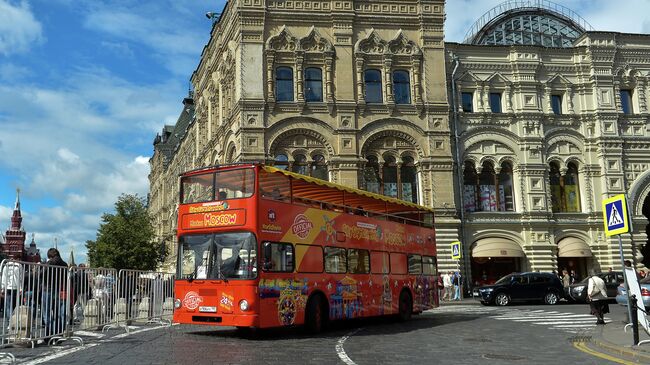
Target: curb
x=622, y=350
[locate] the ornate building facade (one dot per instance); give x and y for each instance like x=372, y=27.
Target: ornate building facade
x=525, y=127
x=351, y=91
x=552, y=118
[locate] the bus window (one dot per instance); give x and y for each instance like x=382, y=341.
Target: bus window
x=275, y=186
x=379, y=262
x=278, y=257
x=217, y=256
x=358, y=261
x=233, y=184
x=197, y=188
x=428, y=220
x=398, y=263
x=429, y=265
x=335, y=260
x=415, y=264
x=312, y=258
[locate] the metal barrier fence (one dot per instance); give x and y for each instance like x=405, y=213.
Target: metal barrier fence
x=49, y=304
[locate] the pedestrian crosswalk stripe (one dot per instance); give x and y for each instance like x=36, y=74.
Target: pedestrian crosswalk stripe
x=567, y=322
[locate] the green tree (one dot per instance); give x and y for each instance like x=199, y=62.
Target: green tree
x=125, y=239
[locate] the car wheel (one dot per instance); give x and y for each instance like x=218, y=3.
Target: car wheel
x=502, y=299
x=551, y=298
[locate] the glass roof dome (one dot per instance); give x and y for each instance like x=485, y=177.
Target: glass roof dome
x=532, y=22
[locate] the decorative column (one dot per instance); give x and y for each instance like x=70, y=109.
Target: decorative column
x=417, y=64
x=508, y=99
x=547, y=97
x=270, y=62
x=359, y=70
x=617, y=96
x=641, y=91
x=300, y=57
x=569, y=99
x=486, y=98
x=388, y=76
x=329, y=76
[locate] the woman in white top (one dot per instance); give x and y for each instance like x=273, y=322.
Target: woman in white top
x=597, y=293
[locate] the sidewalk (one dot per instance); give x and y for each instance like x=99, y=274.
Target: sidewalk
x=613, y=339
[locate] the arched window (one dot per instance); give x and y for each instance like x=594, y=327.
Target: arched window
x=408, y=179
x=281, y=162
x=319, y=168
x=565, y=191
x=470, y=182
x=371, y=175
x=313, y=84
x=284, y=84
x=300, y=165
x=391, y=179
x=506, y=191
x=389, y=174
x=372, y=79
x=402, y=87
x=487, y=188
x=488, y=191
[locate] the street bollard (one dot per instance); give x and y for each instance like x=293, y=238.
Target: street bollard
x=635, y=319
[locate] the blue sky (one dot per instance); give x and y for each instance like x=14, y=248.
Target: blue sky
x=86, y=84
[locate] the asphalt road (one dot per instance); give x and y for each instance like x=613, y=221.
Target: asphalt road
x=466, y=333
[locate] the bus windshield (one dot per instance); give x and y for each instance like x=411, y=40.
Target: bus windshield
x=222, y=185
x=218, y=256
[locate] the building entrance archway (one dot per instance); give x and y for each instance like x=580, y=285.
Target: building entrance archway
x=493, y=258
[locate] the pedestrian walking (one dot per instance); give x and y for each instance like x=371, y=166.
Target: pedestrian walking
x=597, y=294
x=11, y=283
x=54, y=293
x=456, y=281
x=566, y=279
x=448, y=285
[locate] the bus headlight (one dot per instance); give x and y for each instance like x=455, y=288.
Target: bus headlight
x=177, y=303
x=243, y=305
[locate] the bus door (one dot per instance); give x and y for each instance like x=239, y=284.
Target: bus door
x=381, y=290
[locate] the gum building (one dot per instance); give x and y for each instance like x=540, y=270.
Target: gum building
x=348, y=91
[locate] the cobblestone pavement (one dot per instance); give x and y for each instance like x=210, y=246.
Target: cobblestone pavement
x=454, y=334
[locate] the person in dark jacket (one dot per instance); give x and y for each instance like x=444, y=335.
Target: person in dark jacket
x=55, y=277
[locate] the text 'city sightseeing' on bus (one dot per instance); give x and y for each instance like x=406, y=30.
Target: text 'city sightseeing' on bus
x=261, y=247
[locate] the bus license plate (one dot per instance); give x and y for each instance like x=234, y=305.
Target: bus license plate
x=208, y=309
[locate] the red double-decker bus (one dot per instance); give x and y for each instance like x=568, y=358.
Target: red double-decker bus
x=263, y=247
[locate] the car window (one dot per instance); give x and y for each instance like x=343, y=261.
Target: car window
x=536, y=279
x=521, y=279
x=619, y=278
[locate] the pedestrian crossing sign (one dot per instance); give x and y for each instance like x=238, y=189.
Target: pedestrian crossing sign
x=456, y=252
x=615, y=215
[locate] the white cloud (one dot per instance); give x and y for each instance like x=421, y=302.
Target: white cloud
x=172, y=38
x=18, y=27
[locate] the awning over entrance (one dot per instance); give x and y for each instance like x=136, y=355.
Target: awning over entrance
x=573, y=247
x=497, y=247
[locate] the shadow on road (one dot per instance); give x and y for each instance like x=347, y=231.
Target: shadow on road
x=373, y=326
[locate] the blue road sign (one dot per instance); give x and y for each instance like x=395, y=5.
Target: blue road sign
x=615, y=217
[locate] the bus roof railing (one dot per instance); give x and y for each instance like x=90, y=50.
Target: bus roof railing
x=213, y=167
x=314, y=180
x=348, y=189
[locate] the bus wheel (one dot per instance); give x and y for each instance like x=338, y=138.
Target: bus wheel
x=405, y=306
x=315, y=315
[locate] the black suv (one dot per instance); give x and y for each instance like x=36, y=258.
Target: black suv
x=521, y=287
x=578, y=291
